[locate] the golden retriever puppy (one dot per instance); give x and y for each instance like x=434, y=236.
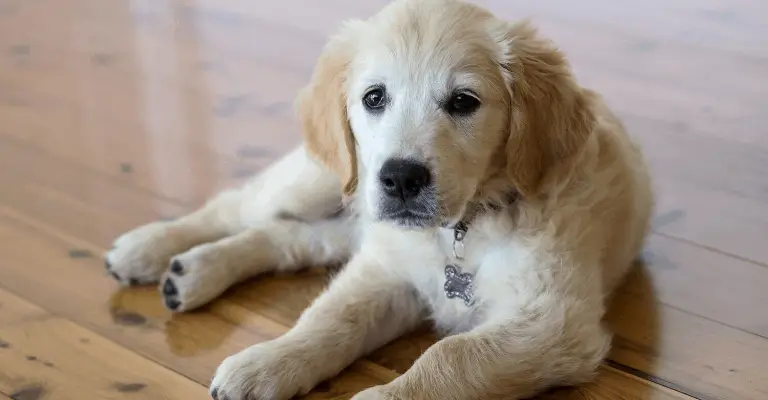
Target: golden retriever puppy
x=484, y=189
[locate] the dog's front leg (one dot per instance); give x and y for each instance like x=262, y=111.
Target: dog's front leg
x=506, y=361
x=364, y=308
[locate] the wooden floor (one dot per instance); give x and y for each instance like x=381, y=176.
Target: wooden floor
x=117, y=112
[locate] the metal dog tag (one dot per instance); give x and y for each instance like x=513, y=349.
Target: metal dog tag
x=458, y=284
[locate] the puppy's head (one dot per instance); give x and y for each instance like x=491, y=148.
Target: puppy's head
x=430, y=104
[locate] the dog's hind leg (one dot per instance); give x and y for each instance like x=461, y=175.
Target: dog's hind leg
x=204, y=272
x=295, y=186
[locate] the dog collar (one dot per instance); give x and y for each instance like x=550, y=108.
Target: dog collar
x=461, y=284
x=473, y=210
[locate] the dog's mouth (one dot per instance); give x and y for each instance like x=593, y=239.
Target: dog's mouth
x=414, y=215
x=409, y=218
x=420, y=212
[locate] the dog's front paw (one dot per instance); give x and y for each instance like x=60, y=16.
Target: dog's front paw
x=268, y=370
x=197, y=277
x=141, y=255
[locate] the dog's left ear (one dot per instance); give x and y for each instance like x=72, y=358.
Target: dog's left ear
x=323, y=111
x=551, y=116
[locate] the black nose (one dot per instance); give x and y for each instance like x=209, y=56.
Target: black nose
x=403, y=178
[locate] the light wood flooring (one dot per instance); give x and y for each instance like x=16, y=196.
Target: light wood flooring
x=114, y=113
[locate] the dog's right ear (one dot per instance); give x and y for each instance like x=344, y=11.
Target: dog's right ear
x=322, y=107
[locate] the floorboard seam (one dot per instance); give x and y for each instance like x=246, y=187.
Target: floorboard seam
x=656, y=380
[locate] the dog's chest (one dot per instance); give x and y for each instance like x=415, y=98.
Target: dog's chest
x=460, y=290
x=450, y=280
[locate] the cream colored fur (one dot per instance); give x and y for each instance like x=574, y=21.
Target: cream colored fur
x=543, y=267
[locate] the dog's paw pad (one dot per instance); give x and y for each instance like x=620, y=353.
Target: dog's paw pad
x=172, y=304
x=176, y=288
x=194, y=278
x=169, y=288
x=177, y=267
x=170, y=294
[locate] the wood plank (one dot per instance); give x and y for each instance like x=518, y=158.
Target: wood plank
x=15, y=310
x=677, y=273
x=191, y=344
x=688, y=353
x=54, y=358
x=715, y=199
x=59, y=360
x=717, y=24
x=613, y=384
x=82, y=196
x=734, y=26
x=103, y=105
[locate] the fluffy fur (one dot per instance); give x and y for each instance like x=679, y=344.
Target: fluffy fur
x=543, y=265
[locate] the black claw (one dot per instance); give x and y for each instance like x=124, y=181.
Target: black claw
x=172, y=304
x=107, y=265
x=169, y=289
x=133, y=282
x=114, y=275
x=215, y=394
x=177, y=268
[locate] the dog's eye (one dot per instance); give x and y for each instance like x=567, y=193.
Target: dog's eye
x=374, y=99
x=462, y=104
